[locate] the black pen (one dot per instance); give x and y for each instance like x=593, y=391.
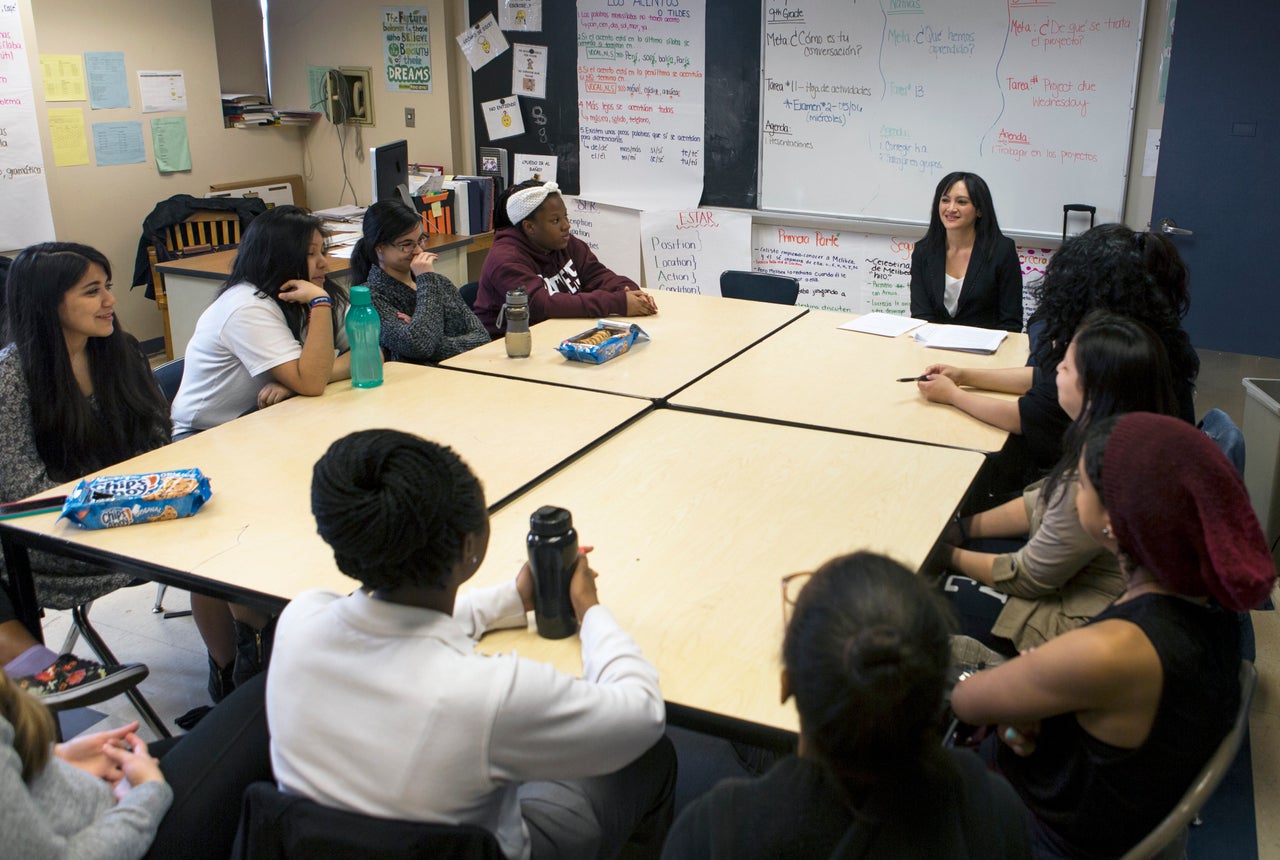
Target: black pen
x=913, y=378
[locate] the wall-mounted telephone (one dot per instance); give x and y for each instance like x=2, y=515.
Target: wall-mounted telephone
x=337, y=97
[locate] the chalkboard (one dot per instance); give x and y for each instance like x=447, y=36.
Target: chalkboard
x=732, y=128
x=867, y=105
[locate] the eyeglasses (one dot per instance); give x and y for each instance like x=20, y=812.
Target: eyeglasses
x=410, y=245
x=792, y=585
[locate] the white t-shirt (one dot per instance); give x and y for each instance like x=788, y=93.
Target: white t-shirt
x=238, y=339
x=951, y=293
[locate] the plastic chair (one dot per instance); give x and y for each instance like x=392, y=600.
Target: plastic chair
x=277, y=826
x=759, y=287
x=469, y=291
x=1169, y=839
x=202, y=233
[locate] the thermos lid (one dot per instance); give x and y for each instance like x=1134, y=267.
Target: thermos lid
x=360, y=296
x=549, y=520
x=517, y=298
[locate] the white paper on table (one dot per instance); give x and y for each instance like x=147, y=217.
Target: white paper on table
x=482, y=42
x=885, y=325
x=162, y=91
x=961, y=338
x=342, y=252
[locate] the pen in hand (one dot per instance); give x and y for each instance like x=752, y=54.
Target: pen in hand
x=913, y=378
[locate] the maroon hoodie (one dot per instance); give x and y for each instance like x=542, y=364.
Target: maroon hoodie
x=567, y=283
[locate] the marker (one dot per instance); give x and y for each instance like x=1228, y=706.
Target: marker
x=913, y=378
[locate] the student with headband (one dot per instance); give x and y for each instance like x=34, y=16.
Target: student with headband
x=533, y=250
x=1102, y=729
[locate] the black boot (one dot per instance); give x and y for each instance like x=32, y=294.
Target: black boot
x=253, y=650
x=220, y=683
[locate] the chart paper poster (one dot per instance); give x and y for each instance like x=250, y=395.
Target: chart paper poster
x=523, y=15
x=63, y=76
x=641, y=102
x=118, y=143
x=162, y=91
x=66, y=136
x=611, y=232
x=529, y=70
x=502, y=117
x=406, y=42
x=25, y=216
x=170, y=143
x=108, y=85
x=539, y=167
x=685, y=251
x=482, y=42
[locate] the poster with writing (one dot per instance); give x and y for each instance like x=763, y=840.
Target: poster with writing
x=118, y=143
x=63, y=76
x=108, y=85
x=641, y=104
x=66, y=135
x=611, y=232
x=406, y=49
x=482, y=42
x=522, y=15
x=539, y=167
x=855, y=272
x=685, y=251
x=502, y=118
x=25, y=216
x=529, y=70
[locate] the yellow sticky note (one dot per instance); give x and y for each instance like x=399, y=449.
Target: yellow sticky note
x=435, y=210
x=66, y=133
x=63, y=76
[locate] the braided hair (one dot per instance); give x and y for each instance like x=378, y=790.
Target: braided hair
x=866, y=655
x=395, y=508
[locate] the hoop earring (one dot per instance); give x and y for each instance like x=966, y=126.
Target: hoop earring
x=1106, y=531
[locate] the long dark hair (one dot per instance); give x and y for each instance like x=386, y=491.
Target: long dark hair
x=1138, y=275
x=395, y=508
x=273, y=251
x=384, y=222
x=986, y=228
x=1123, y=368
x=129, y=415
x=866, y=655
x=500, y=217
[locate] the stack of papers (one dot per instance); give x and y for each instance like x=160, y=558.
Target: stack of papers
x=885, y=325
x=341, y=213
x=961, y=338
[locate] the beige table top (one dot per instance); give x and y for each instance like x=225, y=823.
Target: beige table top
x=690, y=335
x=217, y=266
x=256, y=533
x=814, y=374
x=695, y=520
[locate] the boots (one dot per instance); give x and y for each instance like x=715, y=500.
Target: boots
x=220, y=683
x=253, y=650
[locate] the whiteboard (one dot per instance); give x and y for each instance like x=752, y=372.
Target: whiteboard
x=866, y=105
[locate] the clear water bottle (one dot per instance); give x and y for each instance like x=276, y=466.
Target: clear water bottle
x=516, y=312
x=363, y=330
x=553, y=555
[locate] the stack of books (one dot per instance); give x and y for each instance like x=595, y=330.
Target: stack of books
x=251, y=110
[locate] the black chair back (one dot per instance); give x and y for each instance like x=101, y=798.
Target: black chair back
x=169, y=377
x=469, y=291
x=759, y=287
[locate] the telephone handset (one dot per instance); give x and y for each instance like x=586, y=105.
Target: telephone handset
x=337, y=98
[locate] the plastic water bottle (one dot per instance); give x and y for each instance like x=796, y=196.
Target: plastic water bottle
x=553, y=555
x=363, y=330
x=516, y=312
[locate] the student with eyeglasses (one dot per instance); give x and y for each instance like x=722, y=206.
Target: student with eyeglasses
x=423, y=316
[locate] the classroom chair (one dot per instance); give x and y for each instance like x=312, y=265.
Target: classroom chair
x=469, y=291
x=759, y=287
x=202, y=233
x=1169, y=840
x=169, y=378
x=278, y=826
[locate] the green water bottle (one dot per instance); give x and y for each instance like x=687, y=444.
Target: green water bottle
x=363, y=329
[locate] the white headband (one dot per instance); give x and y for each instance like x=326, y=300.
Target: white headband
x=522, y=204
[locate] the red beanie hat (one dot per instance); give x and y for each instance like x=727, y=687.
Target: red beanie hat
x=1179, y=508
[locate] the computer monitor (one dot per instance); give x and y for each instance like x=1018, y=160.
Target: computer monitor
x=390, y=165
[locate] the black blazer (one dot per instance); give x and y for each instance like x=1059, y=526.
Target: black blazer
x=990, y=298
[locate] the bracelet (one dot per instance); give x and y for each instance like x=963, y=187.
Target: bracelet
x=321, y=300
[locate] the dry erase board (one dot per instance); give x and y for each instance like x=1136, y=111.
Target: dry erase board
x=732, y=130
x=868, y=103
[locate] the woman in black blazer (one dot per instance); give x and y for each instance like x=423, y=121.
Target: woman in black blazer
x=964, y=244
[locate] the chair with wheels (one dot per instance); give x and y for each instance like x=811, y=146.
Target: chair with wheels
x=759, y=287
x=1169, y=839
x=278, y=826
x=201, y=233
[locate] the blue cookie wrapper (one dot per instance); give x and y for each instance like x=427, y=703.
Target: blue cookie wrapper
x=125, y=500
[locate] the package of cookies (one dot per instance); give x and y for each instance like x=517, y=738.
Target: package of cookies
x=125, y=500
x=607, y=340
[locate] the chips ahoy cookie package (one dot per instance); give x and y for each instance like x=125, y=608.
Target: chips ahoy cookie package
x=597, y=345
x=124, y=500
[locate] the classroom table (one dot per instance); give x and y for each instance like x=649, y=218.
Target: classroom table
x=690, y=335
x=255, y=539
x=813, y=374
x=696, y=518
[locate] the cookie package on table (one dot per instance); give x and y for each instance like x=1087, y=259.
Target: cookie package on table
x=597, y=345
x=124, y=500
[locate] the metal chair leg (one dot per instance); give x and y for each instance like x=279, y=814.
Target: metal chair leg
x=80, y=621
x=161, y=588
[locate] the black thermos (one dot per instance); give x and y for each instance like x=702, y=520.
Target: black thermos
x=553, y=554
